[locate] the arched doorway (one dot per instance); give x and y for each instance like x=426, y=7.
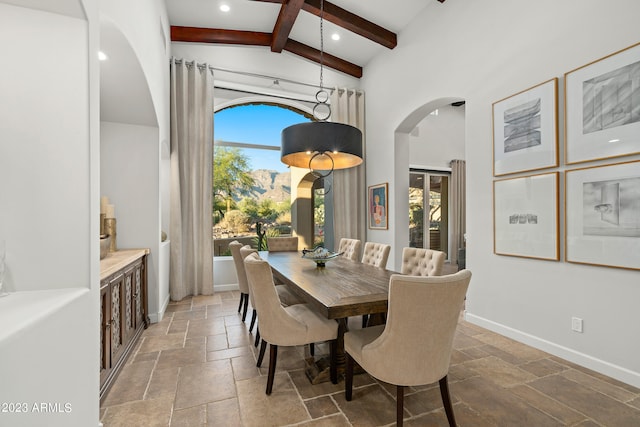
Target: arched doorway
x=405, y=135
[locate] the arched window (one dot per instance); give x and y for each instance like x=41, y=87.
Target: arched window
x=251, y=185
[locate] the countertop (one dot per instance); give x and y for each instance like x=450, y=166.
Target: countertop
x=117, y=260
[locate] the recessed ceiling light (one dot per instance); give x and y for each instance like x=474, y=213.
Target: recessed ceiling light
x=335, y=36
x=225, y=7
x=102, y=56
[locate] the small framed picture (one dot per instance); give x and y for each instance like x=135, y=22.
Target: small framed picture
x=525, y=217
x=603, y=215
x=378, y=207
x=525, y=130
x=602, y=108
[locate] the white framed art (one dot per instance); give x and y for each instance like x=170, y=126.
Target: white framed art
x=525, y=130
x=602, y=108
x=602, y=215
x=526, y=218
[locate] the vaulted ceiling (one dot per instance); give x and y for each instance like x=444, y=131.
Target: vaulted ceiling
x=365, y=27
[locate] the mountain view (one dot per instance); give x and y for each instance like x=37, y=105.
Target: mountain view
x=270, y=184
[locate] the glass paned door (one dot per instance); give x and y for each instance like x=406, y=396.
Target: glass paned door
x=429, y=210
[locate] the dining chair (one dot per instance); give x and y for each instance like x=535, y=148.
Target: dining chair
x=282, y=244
x=422, y=262
x=375, y=254
x=350, y=248
x=286, y=326
x=242, y=277
x=284, y=294
x=399, y=353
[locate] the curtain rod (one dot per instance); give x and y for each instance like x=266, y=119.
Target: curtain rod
x=262, y=76
x=245, y=73
x=250, y=92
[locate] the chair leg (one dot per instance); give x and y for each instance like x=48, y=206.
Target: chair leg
x=399, y=405
x=263, y=347
x=365, y=320
x=246, y=306
x=333, y=361
x=241, y=301
x=257, y=341
x=348, y=378
x=446, y=401
x=273, y=355
x=254, y=315
x=312, y=349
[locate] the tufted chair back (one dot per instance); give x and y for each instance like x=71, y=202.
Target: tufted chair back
x=376, y=254
x=282, y=244
x=350, y=248
x=422, y=262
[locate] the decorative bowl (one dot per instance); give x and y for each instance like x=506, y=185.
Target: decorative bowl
x=320, y=256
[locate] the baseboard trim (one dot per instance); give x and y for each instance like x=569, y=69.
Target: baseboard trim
x=224, y=288
x=156, y=317
x=614, y=371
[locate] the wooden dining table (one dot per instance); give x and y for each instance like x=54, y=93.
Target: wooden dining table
x=339, y=290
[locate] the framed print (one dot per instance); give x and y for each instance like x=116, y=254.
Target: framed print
x=602, y=215
x=525, y=217
x=525, y=130
x=602, y=108
x=378, y=207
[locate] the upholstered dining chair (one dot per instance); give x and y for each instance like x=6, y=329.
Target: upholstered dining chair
x=422, y=262
x=242, y=277
x=285, y=326
x=399, y=353
x=375, y=254
x=284, y=294
x=282, y=244
x=350, y=248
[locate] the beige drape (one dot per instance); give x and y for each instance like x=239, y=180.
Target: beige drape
x=458, y=205
x=349, y=185
x=191, y=262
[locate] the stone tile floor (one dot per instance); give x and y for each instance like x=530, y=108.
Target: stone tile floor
x=197, y=367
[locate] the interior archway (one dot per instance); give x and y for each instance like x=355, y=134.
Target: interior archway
x=401, y=170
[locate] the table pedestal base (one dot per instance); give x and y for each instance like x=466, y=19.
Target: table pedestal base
x=318, y=371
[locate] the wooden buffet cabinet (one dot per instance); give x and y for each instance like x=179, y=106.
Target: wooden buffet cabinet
x=123, y=309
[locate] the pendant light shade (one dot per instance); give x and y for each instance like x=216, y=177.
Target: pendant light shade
x=321, y=146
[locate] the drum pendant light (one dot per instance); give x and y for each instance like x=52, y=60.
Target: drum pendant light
x=321, y=145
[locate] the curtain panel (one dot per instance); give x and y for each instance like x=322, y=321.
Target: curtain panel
x=191, y=265
x=349, y=185
x=458, y=207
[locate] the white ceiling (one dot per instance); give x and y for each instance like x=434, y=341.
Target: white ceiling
x=260, y=16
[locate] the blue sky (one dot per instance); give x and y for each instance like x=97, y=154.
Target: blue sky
x=256, y=124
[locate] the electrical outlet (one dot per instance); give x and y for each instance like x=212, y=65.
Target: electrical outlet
x=576, y=324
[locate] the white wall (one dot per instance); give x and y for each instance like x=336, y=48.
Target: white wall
x=438, y=139
x=494, y=49
x=49, y=212
x=129, y=176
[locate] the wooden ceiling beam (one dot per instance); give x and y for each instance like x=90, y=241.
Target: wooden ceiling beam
x=329, y=60
x=212, y=35
x=353, y=23
x=350, y=21
x=286, y=18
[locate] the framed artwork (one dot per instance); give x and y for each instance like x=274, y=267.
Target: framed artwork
x=525, y=130
x=602, y=108
x=525, y=217
x=378, y=207
x=602, y=215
